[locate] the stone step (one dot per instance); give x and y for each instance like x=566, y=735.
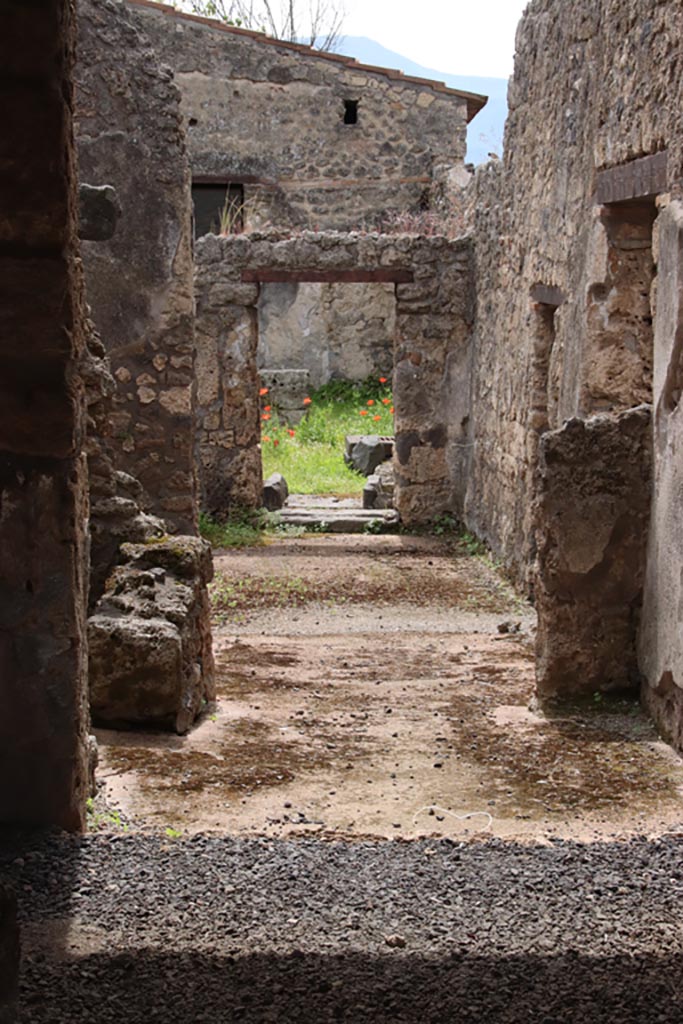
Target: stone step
x=342, y=520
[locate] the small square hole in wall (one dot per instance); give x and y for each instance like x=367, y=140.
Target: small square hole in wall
x=350, y=111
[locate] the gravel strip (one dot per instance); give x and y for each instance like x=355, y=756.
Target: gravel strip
x=222, y=929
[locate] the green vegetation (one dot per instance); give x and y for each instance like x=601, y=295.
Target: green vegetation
x=242, y=529
x=102, y=820
x=311, y=456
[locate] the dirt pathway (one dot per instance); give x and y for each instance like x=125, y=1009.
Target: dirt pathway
x=383, y=687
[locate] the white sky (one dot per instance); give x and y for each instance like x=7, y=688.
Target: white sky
x=461, y=37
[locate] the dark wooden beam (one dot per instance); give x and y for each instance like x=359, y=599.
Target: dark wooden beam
x=638, y=179
x=229, y=179
x=304, y=275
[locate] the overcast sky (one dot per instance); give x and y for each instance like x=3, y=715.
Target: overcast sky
x=463, y=37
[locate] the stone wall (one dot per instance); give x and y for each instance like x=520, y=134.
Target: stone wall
x=593, y=513
x=43, y=476
x=241, y=88
x=433, y=289
x=335, y=332
x=139, y=284
x=661, y=642
x=592, y=89
x=564, y=232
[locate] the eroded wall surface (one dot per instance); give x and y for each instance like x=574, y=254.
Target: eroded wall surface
x=432, y=357
x=272, y=116
x=334, y=331
x=661, y=637
x=139, y=284
x=43, y=476
x=567, y=297
x=592, y=89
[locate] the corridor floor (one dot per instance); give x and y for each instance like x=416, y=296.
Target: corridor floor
x=382, y=686
x=375, y=825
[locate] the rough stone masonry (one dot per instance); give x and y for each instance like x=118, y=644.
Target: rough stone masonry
x=433, y=287
x=576, y=238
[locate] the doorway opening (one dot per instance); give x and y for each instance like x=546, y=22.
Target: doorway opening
x=325, y=361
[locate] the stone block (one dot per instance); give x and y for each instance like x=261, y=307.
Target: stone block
x=275, y=492
x=150, y=652
x=366, y=454
x=591, y=523
x=367, y=451
x=370, y=492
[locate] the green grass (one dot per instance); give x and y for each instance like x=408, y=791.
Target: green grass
x=243, y=529
x=311, y=456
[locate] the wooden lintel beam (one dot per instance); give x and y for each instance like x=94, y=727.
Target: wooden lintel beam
x=643, y=178
x=304, y=275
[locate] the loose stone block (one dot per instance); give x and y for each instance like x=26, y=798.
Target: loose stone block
x=366, y=454
x=150, y=660
x=275, y=492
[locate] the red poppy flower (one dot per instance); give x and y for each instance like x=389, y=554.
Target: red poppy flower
x=267, y=408
x=291, y=433
x=265, y=438
x=377, y=418
x=364, y=412
x=371, y=401
x=263, y=391
x=275, y=443
x=266, y=417
x=392, y=410
x=307, y=401
x=383, y=380
x=386, y=401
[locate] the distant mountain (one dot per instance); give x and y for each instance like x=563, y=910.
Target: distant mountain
x=485, y=133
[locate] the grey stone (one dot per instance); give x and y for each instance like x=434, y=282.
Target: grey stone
x=367, y=454
x=150, y=660
x=370, y=492
x=275, y=492
x=98, y=212
x=344, y=520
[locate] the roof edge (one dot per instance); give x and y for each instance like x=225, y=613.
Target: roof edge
x=475, y=101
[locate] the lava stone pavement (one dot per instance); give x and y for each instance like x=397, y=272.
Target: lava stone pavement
x=141, y=928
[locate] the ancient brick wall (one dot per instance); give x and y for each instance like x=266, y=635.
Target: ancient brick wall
x=432, y=353
x=43, y=496
x=139, y=284
x=271, y=116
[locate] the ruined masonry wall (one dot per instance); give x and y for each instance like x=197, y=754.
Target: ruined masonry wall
x=315, y=171
x=432, y=356
x=139, y=284
x=597, y=84
x=661, y=640
x=43, y=476
x=592, y=88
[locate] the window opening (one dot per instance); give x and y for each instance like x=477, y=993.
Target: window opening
x=350, y=111
x=218, y=209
